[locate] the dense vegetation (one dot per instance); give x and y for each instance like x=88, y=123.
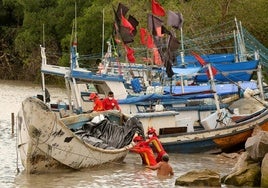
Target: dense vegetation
x=27, y=24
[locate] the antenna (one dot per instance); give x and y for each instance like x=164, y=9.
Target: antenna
x=43, y=35
x=102, y=51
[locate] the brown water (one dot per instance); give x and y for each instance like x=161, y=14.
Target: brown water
x=129, y=174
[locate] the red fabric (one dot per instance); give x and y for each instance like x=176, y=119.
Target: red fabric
x=157, y=147
x=130, y=54
x=98, y=105
x=110, y=104
x=157, y=57
x=150, y=42
x=127, y=24
x=199, y=59
x=157, y=144
x=92, y=96
x=157, y=9
x=158, y=31
x=145, y=152
x=143, y=33
x=203, y=63
x=147, y=148
x=213, y=70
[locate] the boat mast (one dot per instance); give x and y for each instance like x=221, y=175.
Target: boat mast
x=240, y=42
x=102, y=46
x=182, y=47
x=44, y=62
x=213, y=86
x=182, y=57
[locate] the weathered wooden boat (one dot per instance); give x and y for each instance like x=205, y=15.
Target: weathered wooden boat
x=226, y=139
x=47, y=142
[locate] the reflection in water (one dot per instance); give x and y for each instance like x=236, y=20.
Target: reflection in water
x=129, y=174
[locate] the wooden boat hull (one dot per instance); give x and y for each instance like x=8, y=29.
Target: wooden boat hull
x=214, y=140
x=46, y=144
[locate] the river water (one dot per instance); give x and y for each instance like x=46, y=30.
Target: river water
x=129, y=174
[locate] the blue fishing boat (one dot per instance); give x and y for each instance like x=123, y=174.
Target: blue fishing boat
x=178, y=128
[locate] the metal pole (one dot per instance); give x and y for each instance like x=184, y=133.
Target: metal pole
x=102, y=54
x=12, y=123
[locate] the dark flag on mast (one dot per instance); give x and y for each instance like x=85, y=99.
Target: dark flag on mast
x=173, y=46
x=125, y=28
x=154, y=25
x=121, y=10
x=168, y=64
x=134, y=22
x=174, y=19
x=127, y=24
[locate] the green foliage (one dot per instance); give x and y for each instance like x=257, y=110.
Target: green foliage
x=51, y=23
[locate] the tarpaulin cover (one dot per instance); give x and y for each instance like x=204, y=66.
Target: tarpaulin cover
x=108, y=135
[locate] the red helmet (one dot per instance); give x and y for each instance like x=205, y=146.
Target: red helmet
x=151, y=131
x=138, y=139
x=92, y=96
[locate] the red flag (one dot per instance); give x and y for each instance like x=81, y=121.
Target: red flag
x=130, y=54
x=126, y=23
x=203, y=63
x=150, y=42
x=199, y=59
x=157, y=57
x=134, y=22
x=143, y=33
x=157, y=9
x=213, y=70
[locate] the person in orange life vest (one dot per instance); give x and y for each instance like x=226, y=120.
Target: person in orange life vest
x=156, y=144
x=109, y=103
x=142, y=147
x=97, y=102
x=163, y=167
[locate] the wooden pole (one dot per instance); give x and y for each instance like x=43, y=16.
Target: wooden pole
x=12, y=123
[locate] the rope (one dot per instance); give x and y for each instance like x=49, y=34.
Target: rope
x=242, y=89
x=220, y=120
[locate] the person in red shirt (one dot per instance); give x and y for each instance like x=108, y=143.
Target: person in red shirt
x=109, y=103
x=155, y=144
x=97, y=102
x=143, y=148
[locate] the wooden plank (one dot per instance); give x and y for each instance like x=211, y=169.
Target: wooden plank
x=172, y=130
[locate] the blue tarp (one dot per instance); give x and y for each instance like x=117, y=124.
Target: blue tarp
x=153, y=97
x=222, y=89
x=190, y=92
x=210, y=58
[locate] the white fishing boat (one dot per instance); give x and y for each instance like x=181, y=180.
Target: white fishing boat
x=184, y=125
x=47, y=142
